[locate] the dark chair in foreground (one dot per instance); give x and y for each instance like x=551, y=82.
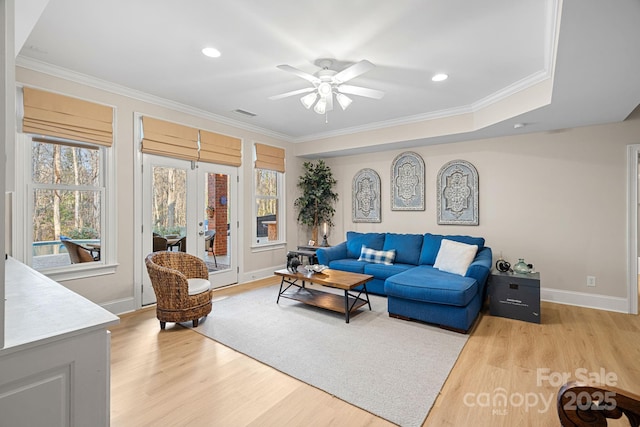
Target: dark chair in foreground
x=210, y=244
x=77, y=253
x=181, y=284
x=582, y=405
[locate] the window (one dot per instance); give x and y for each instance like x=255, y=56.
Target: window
x=268, y=200
x=67, y=203
x=268, y=191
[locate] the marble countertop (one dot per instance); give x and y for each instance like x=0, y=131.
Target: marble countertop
x=39, y=310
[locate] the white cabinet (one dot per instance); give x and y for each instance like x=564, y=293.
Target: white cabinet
x=54, y=367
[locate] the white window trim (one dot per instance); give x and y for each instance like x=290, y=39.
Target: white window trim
x=22, y=225
x=282, y=240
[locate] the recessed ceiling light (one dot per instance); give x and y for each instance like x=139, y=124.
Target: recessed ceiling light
x=440, y=77
x=211, y=52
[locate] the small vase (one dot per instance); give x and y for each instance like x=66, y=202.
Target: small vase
x=521, y=267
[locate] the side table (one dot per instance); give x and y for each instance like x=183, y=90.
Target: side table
x=516, y=296
x=309, y=252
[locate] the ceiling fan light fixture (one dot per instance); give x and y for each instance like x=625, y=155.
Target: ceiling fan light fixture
x=324, y=89
x=343, y=100
x=309, y=99
x=321, y=106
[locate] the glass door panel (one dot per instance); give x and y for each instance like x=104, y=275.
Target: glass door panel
x=169, y=208
x=217, y=208
x=190, y=209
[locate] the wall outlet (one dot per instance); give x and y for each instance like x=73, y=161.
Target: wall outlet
x=591, y=281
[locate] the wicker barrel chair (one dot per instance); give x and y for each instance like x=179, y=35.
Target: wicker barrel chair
x=180, y=282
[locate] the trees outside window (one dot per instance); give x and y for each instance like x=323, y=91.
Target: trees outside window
x=267, y=195
x=67, y=199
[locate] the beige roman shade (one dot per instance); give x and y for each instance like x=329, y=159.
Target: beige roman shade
x=169, y=139
x=220, y=149
x=268, y=157
x=50, y=114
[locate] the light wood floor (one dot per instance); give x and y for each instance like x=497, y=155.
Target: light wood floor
x=179, y=378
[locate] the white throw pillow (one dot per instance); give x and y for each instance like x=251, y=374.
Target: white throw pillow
x=455, y=257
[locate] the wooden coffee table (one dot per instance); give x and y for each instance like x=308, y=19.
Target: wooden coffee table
x=345, y=280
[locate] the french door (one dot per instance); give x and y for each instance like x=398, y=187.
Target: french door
x=191, y=208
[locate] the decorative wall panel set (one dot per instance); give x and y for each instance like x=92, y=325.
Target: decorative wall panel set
x=457, y=191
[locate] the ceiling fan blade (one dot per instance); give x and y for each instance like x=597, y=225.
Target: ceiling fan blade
x=353, y=71
x=361, y=91
x=292, y=93
x=330, y=102
x=310, y=77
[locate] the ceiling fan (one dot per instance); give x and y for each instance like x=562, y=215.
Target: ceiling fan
x=327, y=83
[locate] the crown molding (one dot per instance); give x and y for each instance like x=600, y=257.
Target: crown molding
x=493, y=98
x=63, y=73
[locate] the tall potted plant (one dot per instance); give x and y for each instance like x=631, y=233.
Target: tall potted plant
x=315, y=204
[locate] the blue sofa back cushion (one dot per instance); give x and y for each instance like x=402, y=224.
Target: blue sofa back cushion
x=355, y=241
x=407, y=247
x=431, y=245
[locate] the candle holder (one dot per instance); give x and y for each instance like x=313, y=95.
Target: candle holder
x=324, y=243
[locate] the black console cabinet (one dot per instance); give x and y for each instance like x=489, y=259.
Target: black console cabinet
x=516, y=296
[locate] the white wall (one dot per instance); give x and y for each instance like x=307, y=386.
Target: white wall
x=556, y=199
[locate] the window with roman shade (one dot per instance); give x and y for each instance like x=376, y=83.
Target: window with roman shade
x=268, y=193
x=269, y=157
x=169, y=139
x=51, y=114
x=220, y=149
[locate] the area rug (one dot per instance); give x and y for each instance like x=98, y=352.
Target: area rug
x=389, y=367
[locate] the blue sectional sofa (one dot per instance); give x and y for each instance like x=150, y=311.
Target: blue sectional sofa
x=415, y=289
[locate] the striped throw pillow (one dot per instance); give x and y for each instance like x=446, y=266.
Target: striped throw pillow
x=378, y=257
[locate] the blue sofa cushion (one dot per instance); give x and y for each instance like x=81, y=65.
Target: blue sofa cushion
x=407, y=247
x=431, y=246
x=355, y=241
x=348, y=264
x=443, y=288
x=381, y=271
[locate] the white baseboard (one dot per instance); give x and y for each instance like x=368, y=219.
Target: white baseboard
x=250, y=276
x=581, y=299
x=120, y=306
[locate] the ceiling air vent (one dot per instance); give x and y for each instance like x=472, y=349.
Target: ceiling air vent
x=245, y=113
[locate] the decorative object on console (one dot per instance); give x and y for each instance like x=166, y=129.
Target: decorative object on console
x=521, y=267
x=315, y=268
x=502, y=265
x=407, y=182
x=293, y=262
x=365, y=197
x=458, y=193
x=325, y=230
